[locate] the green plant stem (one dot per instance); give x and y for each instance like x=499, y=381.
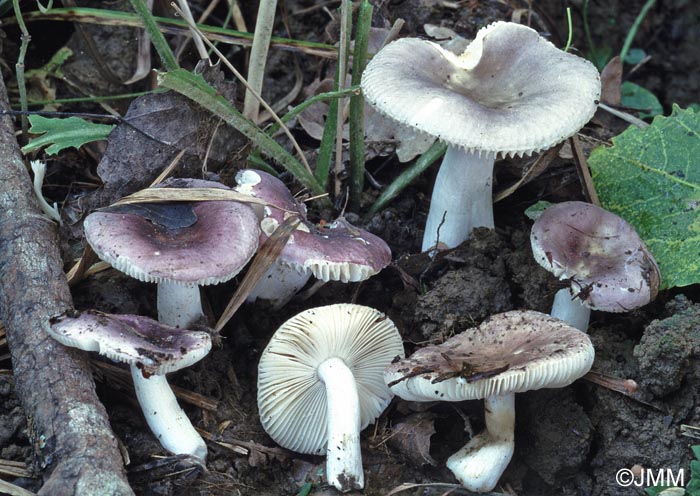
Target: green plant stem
x=164, y=52
x=258, y=57
x=325, y=149
x=635, y=27
x=123, y=96
x=195, y=88
x=571, y=29
x=407, y=176
x=19, y=67
x=357, y=106
x=329, y=95
x=171, y=26
x=587, y=31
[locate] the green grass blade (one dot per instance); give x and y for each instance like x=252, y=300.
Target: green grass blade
x=357, y=107
x=195, y=88
x=327, y=146
x=164, y=52
x=168, y=25
x=406, y=177
x=329, y=95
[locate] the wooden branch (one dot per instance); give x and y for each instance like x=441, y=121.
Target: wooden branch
x=68, y=424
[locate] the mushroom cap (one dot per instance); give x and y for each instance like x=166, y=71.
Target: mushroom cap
x=337, y=251
x=510, y=352
x=608, y=264
x=511, y=92
x=142, y=342
x=200, y=254
x=292, y=398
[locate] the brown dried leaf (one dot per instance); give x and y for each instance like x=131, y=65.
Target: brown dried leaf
x=158, y=127
x=411, y=437
x=611, y=80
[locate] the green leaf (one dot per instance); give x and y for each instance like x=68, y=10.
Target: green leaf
x=535, y=210
x=635, y=56
x=650, y=177
x=696, y=451
x=655, y=491
x=640, y=99
x=63, y=133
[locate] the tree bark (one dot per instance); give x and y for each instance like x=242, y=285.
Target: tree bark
x=68, y=425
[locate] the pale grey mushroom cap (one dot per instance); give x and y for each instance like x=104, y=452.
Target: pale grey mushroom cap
x=139, y=341
x=337, y=251
x=608, y=264
x=210, y=251
x=292, y=398
x=510, y=352
x=511, y=92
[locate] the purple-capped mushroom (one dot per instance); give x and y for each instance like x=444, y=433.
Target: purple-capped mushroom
x=338, y=251
x=211, y=245
x=602, y=258
x=151, y=349
x=508, y=353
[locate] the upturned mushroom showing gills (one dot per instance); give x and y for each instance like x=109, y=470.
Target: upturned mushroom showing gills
x=509, y=353
x=511, y=93
x=320, y=383
x=151, y=349
x=337, y=251
x=605, y=263
x=180, y=246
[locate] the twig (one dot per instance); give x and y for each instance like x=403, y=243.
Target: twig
x=343, y=50
x=122, y=380
x=584, y=173
x=55, y=386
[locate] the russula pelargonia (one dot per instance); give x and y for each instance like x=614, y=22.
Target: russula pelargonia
x=151, y=349
x=508, y=353
x=511, y=93
x=602, y=258
x=336, y=251
x=320, y=383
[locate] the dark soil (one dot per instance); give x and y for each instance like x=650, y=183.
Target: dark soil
x=570, y=441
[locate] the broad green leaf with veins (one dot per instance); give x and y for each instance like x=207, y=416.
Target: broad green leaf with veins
x=651, y=178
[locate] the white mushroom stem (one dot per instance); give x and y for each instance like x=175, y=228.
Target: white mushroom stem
x=478, y=465
x=343, y=456
x=462, y=194
x=280, y=283
x=179, y=305
x=571, y=310
x=165, y=417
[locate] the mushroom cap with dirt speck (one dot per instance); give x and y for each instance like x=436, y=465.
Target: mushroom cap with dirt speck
x=338, y=251
x=212, y=250
x=608, y=264
x=511, y=92
x=508, y=353
x=292, y=398
x=139, y=341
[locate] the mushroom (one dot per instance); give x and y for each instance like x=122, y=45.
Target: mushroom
x=151, y=349
x=511, y=93
x=320, y=383
x=180, y=246
x=601, y=257
x=508, y=353
x=338, y=251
